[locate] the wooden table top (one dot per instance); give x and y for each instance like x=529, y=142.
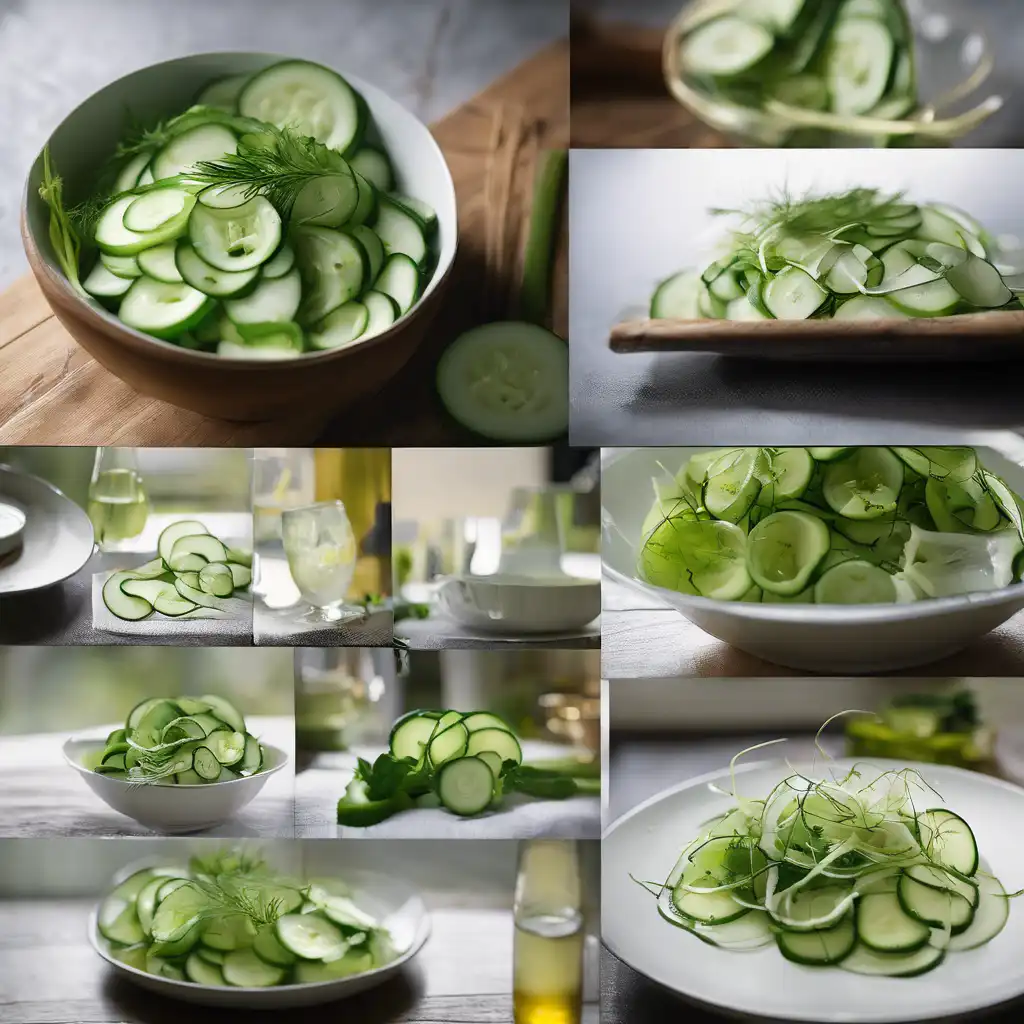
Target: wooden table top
x=41, y=796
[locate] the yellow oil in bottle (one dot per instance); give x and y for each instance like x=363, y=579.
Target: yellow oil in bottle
x=118, y=507
x=548, y=969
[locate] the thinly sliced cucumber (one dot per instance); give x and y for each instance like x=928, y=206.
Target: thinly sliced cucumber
x=448, y=743
x=958, y=507
x=121, y=266
x=283, y=338
x=465, y=786
x=785, y=549
x=310, y=936
x=366, y=209
x=793, y=295
x=778, y=15
x=855, y=582
x=976, y=281
x=185, y=565
x=229, y=932
x=328, y=201
x=241, y=575
x=204, y=142
x=222, y=284
x=203, y=544
x=153, y=210
x=859, y=64
x=424, y=214
x=242, y=967
x=269, y=950
x=945, y=881
x=934, y=907
x=146, y=177
x=820, y=948
x=505, y=381
x=493, y=761
x=159, y=263
x=307, y=98
x=215, y=578
x=223, y=93
x=198, y=597
x=948, y=840
x=501, y=741
x=706, y=558
x=893, y=965
x=252, y=757
x=205, y=764
x=113, y=238
x=202, y=972
x=334, y=270
x=410, y=735
x=937, y=225
x=178, y=915
x=227, y=746
x=676, y=297
x=225, y=711
x=400, y=232
x=725, y=47
x=375, y=166
x=355, y=961
x=163, y=310
x=865, y=484
x=707, y=907
x=104, y=284
x=791, y=470
x=869, y=307
x=280, y=263
x=128, y=176
x=477, y=720
x=234, y=350
x=123, y=605
x=883, y=926
x=733, y=483
x=382, y=312
x=990, y=915
x=273, y=301
x=341, y=327
x=400, y=279
x=170, y=534
x=372, y=246
x=236, y=239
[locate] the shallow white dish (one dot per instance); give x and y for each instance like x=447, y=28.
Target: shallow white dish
x=172, y=808
x=12, y=527
x=506, y=603
x=56, y=539
x=647, y=843
x=819, y=638
x=397, y=906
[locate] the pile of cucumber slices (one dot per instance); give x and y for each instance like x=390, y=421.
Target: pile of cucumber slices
x=848, y=525
x=843, y=871
x=194, y=574
x=220, y=925
x=859, y=255
x=846, y=57
x=184, y=741
x=262, y=223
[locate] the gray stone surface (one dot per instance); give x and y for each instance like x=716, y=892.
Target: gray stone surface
x=430, y=55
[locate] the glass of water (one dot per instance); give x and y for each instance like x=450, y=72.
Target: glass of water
x=321, y=550
x=118, y=504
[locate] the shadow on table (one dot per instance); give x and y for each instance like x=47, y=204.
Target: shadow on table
x=391, y=1001
x=41, y=615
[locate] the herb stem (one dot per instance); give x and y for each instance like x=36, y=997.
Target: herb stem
x=535, y=294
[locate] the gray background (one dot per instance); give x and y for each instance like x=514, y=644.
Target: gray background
x=430, y=55
x=637, y=216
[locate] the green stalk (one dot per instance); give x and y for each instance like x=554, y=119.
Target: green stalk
x=63, y=237
x=535, y=294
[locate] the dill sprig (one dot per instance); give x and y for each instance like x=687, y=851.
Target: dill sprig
x=64, y=237
x=237, y=883
x=140, y=139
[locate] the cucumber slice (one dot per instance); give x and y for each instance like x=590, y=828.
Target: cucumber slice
x=225, y=711
x=155, y=209
x=355, y=961
x=725, y=47
x=676, y=297
x=242, y=967
x=273, y=301
x=893, y=965
x=733, y=483
x=202, y=972
x=146, y=177
x=205, y=763
x=113, y=238
x=252, y=757
x=790, y=470
x=784, y=551
x=159, y=263
x=223, y=93
x=241, y=575
x=381, y=311
x=448, y=743
x=948, y=840
x=187, y=565
x=855, y=582
x=707, y=907
x=280, y=263
x=375, y=166
x=858, y=64
x=238, y=238
x=163, y=310
x=222, y=284
x=793, y=295
x=410, y=735
x=284, y=338
x=123, y=605
x=501, y=741
x=477, y=720
x=976, y=281
x=933, y=907
x=400, y=232
x=269, y=950
x=333, y=267
x=307, y=98
x=938, y=225
x=366, y=209
x=118, y=919
x=944, y=880
x=883, y=926
x=465, y=786
x=103, y=284
x=492, y=760
x=400, y=280
x=865, y=484
x=121, y=266
x=372, y=246
x=198, y=596
x=170, y=534
x=199, y=544
x=424, y=214
x=820, y=948
x=179, y=917
x=778, y=15
x=505, y=381
x=328, y=201
x=226, y=746
x=182, y=154
x=128, y=176
x=310, y=936
x=990, y=915
x=958, y=507
x=700, y=557
x=869, y=307
x=341, y=327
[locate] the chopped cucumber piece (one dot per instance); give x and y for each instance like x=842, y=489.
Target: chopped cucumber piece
x=465, y=786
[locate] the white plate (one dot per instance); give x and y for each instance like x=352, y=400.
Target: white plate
x=57, y=539
x=171, y=808
x=397, y=906
x=820, y=638
x=647, y=842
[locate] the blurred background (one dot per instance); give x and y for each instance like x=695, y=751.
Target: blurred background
x=665, y=731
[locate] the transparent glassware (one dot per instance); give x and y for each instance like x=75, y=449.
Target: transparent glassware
x=118, y=505
x=321, y=549
x=953, y=61
x=547, y=985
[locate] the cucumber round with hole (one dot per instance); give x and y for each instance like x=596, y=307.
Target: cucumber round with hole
x=784, y=551
x=238, y=238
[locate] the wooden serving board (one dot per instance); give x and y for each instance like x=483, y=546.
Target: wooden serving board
x=53, y=392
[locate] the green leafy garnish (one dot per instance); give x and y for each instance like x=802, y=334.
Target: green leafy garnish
x=66, y=242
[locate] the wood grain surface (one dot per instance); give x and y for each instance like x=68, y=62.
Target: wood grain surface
x=52, y=392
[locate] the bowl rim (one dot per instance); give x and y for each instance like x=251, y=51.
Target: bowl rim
x=284, y=759
x=110, y=325
x=424, y=930
x=520, y=582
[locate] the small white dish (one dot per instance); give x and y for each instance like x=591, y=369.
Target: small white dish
x=510, y=604
x=12, y=527
x=397, y=906
x=647, y=842
x=171, y=808
x=56, y=536
x=832, y=639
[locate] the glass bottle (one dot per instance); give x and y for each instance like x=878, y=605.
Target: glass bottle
x=547, y=986
x=118, y=505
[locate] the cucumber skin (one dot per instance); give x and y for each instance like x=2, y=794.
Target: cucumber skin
x=372, y=812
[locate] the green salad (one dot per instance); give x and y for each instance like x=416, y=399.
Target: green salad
x=229, y=920
x=185, y=741
x=857, y=255
x=841, y=525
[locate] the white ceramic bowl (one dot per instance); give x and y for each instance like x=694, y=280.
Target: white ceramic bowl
x=647, y=842
x=509, y=604
x=56, y=538
x=171, y=808
x=397, y=906
x=818, y=638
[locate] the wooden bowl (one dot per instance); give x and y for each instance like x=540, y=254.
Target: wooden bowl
x=231, y=389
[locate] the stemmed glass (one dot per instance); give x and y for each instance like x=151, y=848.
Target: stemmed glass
x=321, y=550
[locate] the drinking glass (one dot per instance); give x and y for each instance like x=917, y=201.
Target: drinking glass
x=118, y=505
x=321, y=550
